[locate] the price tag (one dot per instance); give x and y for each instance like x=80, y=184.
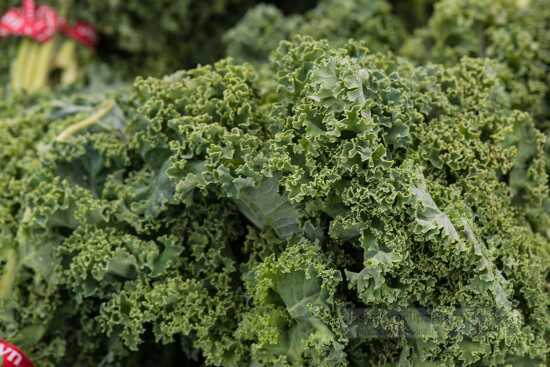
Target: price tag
x=13, y=356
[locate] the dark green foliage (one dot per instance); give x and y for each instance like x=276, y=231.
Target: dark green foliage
x=9, y=51
x=513, y=32
x=370, y=21
x=414, y=13
x=339, y=208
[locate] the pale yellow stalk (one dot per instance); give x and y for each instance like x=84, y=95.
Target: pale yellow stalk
x=98, y=115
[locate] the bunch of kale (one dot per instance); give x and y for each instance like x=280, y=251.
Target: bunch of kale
x=330, y=204
x=358, y=210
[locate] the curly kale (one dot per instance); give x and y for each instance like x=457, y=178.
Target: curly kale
x=513, y=32
x=336, y=208
x=263, y=27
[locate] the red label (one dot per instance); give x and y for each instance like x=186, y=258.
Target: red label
x=13, y=356
x=82, y=33
x=42, y=23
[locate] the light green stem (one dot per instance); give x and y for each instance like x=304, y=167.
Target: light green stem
x=7, y=279
x=19, y=66
x=43, y=63
x=30, y=65
x=73, y=129
x=66, y=60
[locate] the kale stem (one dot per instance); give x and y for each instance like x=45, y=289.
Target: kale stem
x=32, y=65
x=19, y=65
x=73, y=129
x=43, y=61
x=7, y=279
